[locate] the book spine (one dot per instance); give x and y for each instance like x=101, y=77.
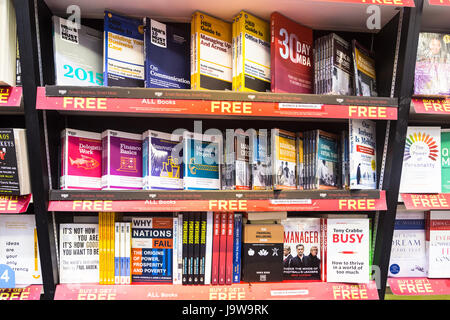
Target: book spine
x=175, y=249
x=101, y=247
x=117, y=252
x=209, y=244
x=185, y=248
x=196, y=255
x=223, y=247
x=237, y=248
x=128, y=253
x=323, y=245
x=122, y=252
x=215, y=249
x=191, y=249
x=180, y=249
x=229, y=250
x=203, y=229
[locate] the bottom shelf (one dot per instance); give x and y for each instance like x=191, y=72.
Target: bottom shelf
x=241, y=291
x=419, y=287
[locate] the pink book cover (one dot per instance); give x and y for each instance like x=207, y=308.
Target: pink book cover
x=291, y=56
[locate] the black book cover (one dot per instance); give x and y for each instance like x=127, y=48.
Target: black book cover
x=196, y=255
x=202, y=247
x=185, y=248
x=191, y=249
x=9, y=175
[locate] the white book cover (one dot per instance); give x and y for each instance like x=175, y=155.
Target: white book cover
x=122, y=253
x=362, y=154
x=421, y=171
x=438, y=244
x=209, y=240
x=117, y=240
x=180, y=248
x=408, y=256
x=348, y=247
x=127, y=253
x=176, y=276
x=79, y=253
x=19, y=248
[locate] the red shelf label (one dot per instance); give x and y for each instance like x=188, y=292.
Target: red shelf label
x=32, y=292
x=419, y=286
x=254, y=291
x=213, y=108
x=439, y=2
x=10, y=96
x=221, y=205
x=439, y=201
x=14, y=204
x=432, y=105
x=396, y=3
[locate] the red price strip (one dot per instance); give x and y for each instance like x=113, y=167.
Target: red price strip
x=439, y=2
x=397, y=3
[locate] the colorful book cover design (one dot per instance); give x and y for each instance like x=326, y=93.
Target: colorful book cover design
x=421, y=172
x=408, y=256
x=284, y=159
x=291, y=56
x=9, y=182
x=326, y=175
x=438, y=243
x=167, y=49
x=82, y=160
x=122, y=161
x=445, y=160
x=123, y=51
x=363, y=167
x=432, y=73
x=364, y=68
x=162, y=168
x=211, y=40
x=301, y=252
x=260, y=161
x=151, y=249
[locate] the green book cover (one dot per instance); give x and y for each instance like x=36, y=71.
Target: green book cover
x=445, y=160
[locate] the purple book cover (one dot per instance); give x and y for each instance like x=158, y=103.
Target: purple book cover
x=122, y=160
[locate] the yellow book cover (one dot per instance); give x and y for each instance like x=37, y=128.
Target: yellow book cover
x=213, y=56
x=254, y=69
x=194, y=61
x=112, y=220
x=101, y=247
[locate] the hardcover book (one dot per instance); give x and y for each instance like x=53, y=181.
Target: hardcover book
x=121, y=160
x=211, y=53
x=151, y=249
x=78, y=54
x=162, y=157
x=363, y=166
x=445, y=160
x=284, y=159
x=81, y=160
x=421, y=172
x=291, y=48
x=302, y=249
x=438, y=243
x=167, y=49
x=326, y=161
x=123, y=55
x=364, y=69
x=260, y=161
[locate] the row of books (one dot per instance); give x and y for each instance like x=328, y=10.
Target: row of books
x=258, y=160
x=421, y=244
x=248, y=54
x=426, y=161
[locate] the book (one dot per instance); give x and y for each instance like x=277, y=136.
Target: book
x=408, y=256
x=196, y=248
x=421, y=169
x=362, y=154
x=265, y=215
x=78, y=253
x=445, y=160
x=117, y=252
x=123, y=54
x=177, y=248
x=300, y=161
x=302, y=249
x=283, y=159
x=14, y=166
x=106, y=247
x=230, y=247
x=128, y=256
x=223, y=247
x=81, y=160
x=8, y=43
x=19, y=248
x=121, y=160
x=236, y=171
x=215, y=248
x=151, y=249
x=432, y=68
x=237, y=243
x=78, y=54
x=291, y=53
x=184, y=279
x=211, y=64
x=347, y=250
x=209, y=246
x=167, y=49
x=260, y=161
x=344, y=160
x=202, y=251
x=202, y=156
x=364, y=69
x=190, y=249
x=253, y=53
x=326, y=161
x=438, y=243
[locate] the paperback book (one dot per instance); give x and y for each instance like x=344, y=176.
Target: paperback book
x=445, y=160
x=326, y=161
x=260, y=161
x=284, y=159
x=236, y=170
x=364, y=69
x=8, y=41
x=300, y=161
x=438, y=243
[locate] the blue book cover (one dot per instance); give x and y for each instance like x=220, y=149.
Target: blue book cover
x=123, y=51
x=167, y=53
x=237, y=248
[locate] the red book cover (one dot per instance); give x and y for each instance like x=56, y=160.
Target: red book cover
x=215, y=249
x=229, y=256
x=291, y=49
x=223, y=247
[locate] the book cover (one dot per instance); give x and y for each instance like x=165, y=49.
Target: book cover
x=78, y=253
x=260, y=161
x=236, y=171
x=212, y=53
x=345, y=161
x=408, y=256
x=223, y=247
x=209, y=246
x=202, y=156
x=215, y=248
x=162, y=157
x=421, y=171
x=19, y=248
x=284, y=159
x=432, y=71
x=300, y=161
x=81, y=160
x=365, y=83
x=291, y=49
x=348, y=249
x=445, y=160
x=229, y=252
x=167, y=49
x=326, y=159
x=301, y=251
x=121, y=160
x=152, y=246
x=362, y=156
x=438, y=243
x=123, y=55
x=237, y=244
x=78, y=54
x=254, y=53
